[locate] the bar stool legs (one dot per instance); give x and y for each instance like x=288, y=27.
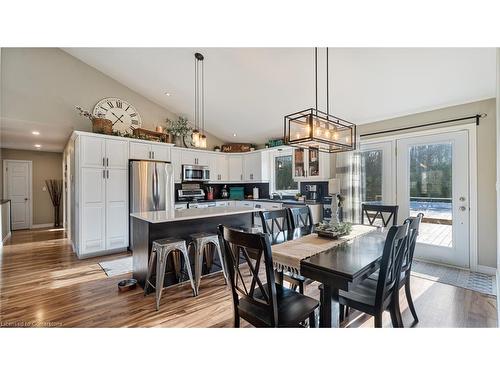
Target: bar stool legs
x=199, y=243
x=160, y=252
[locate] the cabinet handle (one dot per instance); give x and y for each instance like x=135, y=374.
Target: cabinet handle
x=103, y=173
x=153, y=154
x=103, y=162
x=107, y=173
x=107, y=162
x=241, y=177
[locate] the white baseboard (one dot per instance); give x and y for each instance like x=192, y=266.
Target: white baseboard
x=46, y=225
x=486, y=270
x=7, y=236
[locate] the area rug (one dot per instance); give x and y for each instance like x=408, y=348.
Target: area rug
x=454, y=276
x=117, y=266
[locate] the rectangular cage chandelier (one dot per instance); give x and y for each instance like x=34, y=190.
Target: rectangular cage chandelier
x=312, y=128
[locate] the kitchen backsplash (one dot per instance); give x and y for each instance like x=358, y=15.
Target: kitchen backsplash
x=263, y=189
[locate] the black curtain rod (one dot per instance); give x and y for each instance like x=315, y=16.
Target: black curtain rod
x=475, y=117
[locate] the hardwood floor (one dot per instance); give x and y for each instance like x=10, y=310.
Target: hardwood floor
x=43, y=284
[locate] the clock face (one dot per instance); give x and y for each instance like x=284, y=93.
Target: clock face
x=122, y=114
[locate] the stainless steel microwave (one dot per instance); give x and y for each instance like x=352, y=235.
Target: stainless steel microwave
x=195, y=173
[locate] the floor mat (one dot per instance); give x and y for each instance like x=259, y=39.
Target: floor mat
x=478, y=282
x=117, y=266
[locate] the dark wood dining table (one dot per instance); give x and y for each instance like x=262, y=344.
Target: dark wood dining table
x=341, y=267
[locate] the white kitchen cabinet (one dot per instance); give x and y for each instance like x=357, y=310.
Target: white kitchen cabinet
x=235, y=165
x=310, y=165
x=93, y=210
x=116, y=208
x=248, y=204
x=97, y=152
x=149, y=151
x=176, y=160
x=193, y=157
x=256, y=167
x=219, y=168
x=221, y=204
x=180, y=206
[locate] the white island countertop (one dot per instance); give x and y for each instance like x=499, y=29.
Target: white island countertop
x=156, y=217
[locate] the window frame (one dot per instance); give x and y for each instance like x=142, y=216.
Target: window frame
x=276, y=154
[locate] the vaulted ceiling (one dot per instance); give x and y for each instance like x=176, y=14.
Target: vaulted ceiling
x=249, y=90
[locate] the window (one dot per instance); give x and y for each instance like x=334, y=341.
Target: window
x=283, y=176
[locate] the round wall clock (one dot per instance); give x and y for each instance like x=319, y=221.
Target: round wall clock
x=122, y=114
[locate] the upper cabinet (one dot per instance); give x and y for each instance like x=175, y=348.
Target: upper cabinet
x=235, y=165
x=149, y=151
x=219, y=168
x=193, y=157
x=98, y=152
x=310, y=164
x=177, y=163
x=256, y=167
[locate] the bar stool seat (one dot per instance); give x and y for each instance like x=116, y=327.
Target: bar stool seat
x=199, y=243
x=160, y=251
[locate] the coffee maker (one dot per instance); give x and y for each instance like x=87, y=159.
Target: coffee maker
x=312, y=193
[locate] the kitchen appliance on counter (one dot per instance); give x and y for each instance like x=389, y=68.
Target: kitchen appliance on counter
x=312, y=192
x=195, y=173
x=151, y=186
x=190, y=192
x=224, y=193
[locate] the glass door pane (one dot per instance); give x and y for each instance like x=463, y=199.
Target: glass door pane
x=313, y=162
x=299, y=162
x=371, y=167
x=431, y=191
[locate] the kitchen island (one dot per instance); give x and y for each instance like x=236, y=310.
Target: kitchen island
x=153, y=225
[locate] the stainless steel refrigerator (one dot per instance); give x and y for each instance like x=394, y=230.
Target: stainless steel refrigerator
x=151, y=186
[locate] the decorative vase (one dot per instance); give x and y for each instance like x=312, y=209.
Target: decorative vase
x=56, y=216
x=179, y=141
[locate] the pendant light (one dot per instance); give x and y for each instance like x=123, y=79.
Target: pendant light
x=198, y=137
x=312, y=128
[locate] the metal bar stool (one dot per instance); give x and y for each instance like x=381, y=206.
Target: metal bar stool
x=159, y=252
x=200, y=243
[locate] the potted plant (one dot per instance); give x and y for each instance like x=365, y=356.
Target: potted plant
x=179, y=129
x=99, y=124
x=217, y=148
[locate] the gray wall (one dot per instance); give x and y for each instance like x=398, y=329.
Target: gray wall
x=486, y=161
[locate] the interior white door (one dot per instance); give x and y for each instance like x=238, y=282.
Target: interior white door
x=433, y=178
x=17, y=188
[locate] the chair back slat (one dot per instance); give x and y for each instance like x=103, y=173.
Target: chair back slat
x=392, y=259
x=275, y=222
x=300, y=217
x=255, y=250
x=413, y=230
x=375, y=211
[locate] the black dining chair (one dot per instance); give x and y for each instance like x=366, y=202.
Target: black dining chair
x=405, y=274
x=259, y=299
x=373, y=297
x=386, y=213
x=277, y=223
x=301, y=217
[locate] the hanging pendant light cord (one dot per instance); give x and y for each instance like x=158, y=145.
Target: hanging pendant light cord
x=195, y=94
x=316, y=75
x=203, y=96
x=327, y=88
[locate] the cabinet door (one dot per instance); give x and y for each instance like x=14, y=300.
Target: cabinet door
x=235, y=168
x=92, y=151
x=324, y=165
x=188, y=157
x=222, y=167
x=313, y=165
x=116, y=153
x=177, y=164
x=299, y=163
x=116, y=209
x=93, y=210
x=202, y=158
x=140, y=151
x=161, y=152
x=252, y=167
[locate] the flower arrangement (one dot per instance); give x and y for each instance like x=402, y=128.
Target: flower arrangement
x=179, y=127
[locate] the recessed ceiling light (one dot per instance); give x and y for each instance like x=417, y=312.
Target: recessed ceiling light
x=168, y=93
x=38, y=146
x=35, y=132
x=234, y=134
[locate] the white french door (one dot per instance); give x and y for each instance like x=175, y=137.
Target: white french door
x=428, y=174
x=433, y=178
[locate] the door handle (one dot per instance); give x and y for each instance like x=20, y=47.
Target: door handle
x=462, y=208
x=25, y=199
